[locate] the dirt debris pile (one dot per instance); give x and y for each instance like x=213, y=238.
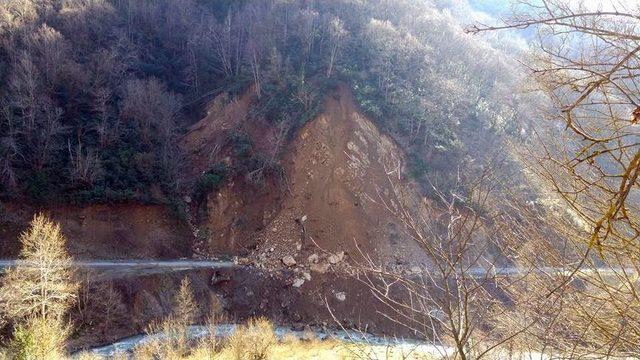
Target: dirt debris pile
x=338, y=167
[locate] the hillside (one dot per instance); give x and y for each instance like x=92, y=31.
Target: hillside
x=307, y=144
x=334, y=176
x=337, y=168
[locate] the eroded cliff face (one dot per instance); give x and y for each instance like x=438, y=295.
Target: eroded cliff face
x=104, y=231
x=226, y=220
x=332, y=204
x=339, y=177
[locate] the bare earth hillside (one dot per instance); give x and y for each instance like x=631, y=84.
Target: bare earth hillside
x=339, y=167
x=337, y=171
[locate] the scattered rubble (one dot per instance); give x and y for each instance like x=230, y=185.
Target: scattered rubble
x=319, y=268
x=336, y=258
x=313, y=259
x=340, y=295
x=288, y=261
x=297, y=282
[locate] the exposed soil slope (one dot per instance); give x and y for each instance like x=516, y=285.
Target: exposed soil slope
x=105, y=231
x=339, y=167
x=230, y=217
x=337, y=172
x=205, y=141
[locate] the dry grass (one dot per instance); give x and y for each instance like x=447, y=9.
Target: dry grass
x=38, y=339
x=256, y=340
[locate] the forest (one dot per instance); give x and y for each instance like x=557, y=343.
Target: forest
x=251, y=179
x=95, y=93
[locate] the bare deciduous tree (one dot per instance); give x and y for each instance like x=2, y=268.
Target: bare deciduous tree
x=585, y=60
x=85, y=165
x=488, y=264
x=338, y=33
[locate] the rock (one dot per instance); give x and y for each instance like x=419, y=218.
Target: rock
x=306, y=276
x=288, y=261
x=298, y=246
x=313, y=259
x=416, y=269
x=285, y=303
x=187, y=199
x=297, y=282
x=271, y=249
x=340, y=295
x=336, y=258
x=218, y=278
x=308, y=334
x=320, y=268
x=303, y=218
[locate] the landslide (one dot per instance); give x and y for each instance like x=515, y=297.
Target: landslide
x=340, y=169
x=226, y=219
x=337, y=172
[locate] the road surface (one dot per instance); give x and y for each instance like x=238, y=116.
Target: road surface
x=147, y=267
x=123, y=268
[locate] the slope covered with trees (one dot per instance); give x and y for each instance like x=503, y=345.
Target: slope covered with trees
x=95, y=93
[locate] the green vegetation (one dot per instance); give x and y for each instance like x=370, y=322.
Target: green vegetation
x=38, y=339
x=210, y=181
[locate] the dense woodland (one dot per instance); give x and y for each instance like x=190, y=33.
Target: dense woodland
x=95, y=93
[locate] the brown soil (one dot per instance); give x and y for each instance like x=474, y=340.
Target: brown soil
x=205, y=141
x=238, y=295
x=337, y=180
x=236, y=213
x=105, y=231
x=230, y=217
x=339, y=167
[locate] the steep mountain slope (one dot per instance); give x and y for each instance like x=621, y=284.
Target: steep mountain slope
x=336, y=180
x=228, y=217
x=338, y=167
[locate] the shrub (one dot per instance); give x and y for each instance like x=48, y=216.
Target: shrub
x=175, y=328
x=209, y=181
x=252, y=341
x=38, y=339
